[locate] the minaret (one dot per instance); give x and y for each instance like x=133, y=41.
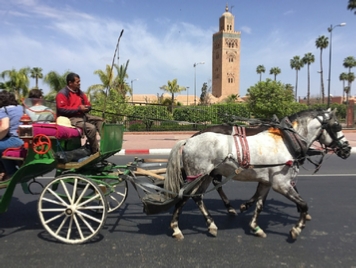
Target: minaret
x=226, y=58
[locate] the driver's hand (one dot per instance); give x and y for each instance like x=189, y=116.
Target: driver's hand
x=84, y=108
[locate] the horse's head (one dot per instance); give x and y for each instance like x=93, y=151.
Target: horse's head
x=331, y=134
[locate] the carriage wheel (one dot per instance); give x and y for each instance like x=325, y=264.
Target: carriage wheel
x=115, y=191
x=72, y=208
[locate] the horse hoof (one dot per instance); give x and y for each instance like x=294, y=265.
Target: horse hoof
x=308, y=217
x=213, y=229
x=260, y=233
x=243, y=208
x=213, y=232
x=294, y=233
x=178, y=236
x=231, y=211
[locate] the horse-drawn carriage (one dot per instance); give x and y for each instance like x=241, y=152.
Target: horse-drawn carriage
x=74, y=205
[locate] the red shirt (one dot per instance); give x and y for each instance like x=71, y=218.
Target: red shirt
x=68, y=103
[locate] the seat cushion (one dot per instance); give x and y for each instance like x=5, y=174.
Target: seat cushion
x=54, y=130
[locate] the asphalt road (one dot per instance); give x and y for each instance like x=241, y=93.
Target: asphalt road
x=132, y=239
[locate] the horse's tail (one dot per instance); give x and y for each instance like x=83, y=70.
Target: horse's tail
x=174, y=178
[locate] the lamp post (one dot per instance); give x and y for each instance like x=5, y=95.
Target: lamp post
x=187, y=94
x=195, y=80
x=136, y=79
x=330, y=30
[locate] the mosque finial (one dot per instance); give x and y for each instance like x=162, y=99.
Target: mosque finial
x=227, y=8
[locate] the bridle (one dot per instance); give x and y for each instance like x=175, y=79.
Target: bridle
x=332, y=127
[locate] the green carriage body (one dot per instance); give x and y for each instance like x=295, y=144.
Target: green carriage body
x=35, y=165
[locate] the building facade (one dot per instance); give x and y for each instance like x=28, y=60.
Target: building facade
x=226, y=58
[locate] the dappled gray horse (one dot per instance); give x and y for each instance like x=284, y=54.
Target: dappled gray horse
x=263, y=158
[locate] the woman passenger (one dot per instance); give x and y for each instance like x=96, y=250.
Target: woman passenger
x=10, y=115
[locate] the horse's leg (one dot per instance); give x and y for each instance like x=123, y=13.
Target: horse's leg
x=177, y=233
x=217, y=179
x=307, y=216
x=245, y=206
x=213, y=229
x=261, y=195
x=293, y=195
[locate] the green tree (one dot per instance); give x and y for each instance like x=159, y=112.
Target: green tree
x=296, y=63
x=308, y=59
x=343, y=78
x=204, y=96
x=56, y=82
x=18, y=81
x=172, y=87
x=36, y=73
x=233, y=98
x=267, y=98
x=352, y=5
x=275, y=71
x=260, y=69
x=322, y=42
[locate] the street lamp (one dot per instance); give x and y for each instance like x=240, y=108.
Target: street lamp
x=187, y=93
x=136, y=79
x=195, y=80
x=330, y=30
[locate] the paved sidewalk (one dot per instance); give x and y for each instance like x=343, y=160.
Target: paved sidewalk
x=162, y=142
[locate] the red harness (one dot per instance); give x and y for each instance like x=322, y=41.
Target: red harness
x=243, y=157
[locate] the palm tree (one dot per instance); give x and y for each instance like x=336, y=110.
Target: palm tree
x=350, y=79
x=296, y=63
x=308, y=59
x=18, y=81
x=172, y=87
x=106, y=77
x=119, y=82
x=36, y=73
x=347, y=91
x=349, y=62
x=275, y=71
x=322, y=42
x=343, y=78
x=260, y=69
x=56, y=82
x=352, y=5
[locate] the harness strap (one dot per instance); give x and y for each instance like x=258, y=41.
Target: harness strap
x=240, y=136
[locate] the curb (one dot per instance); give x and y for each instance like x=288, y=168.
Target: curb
x=164, y=151
x=144, y=151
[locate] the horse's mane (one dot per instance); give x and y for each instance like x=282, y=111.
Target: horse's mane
x=304, y=113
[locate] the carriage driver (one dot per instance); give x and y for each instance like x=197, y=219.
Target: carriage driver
x=74, y=104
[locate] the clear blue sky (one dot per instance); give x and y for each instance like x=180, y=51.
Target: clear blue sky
x=163, y=39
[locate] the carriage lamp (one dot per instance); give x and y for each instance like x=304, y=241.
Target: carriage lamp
x=25, y=131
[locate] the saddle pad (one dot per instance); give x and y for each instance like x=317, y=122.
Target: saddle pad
x=54, y=130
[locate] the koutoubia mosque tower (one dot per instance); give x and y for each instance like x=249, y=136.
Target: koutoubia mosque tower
x=226, y=58
x=225, y=61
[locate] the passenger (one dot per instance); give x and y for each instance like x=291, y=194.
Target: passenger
x=10, y=115
x=38, y=112
x=74, y=104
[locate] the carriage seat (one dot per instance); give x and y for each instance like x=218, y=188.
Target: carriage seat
x=57, y=131
x=51, y=130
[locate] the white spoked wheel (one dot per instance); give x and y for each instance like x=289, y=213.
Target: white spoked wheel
x=72, y=208
x=115, y=191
